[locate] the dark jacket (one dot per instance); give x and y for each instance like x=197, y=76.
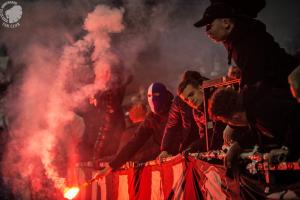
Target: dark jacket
x=151, y=129
x=104, y=122
x=275, y=119
x=181, y=128
x=258, y=56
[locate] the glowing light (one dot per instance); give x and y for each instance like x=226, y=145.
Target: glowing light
x=71, y=193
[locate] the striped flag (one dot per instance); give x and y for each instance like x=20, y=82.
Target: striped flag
x=176, y=178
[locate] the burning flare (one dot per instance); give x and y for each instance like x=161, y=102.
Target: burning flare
x=71, y=193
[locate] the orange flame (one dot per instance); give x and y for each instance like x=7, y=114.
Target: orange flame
x=71, y=193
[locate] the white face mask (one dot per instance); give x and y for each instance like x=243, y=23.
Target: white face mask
x=150, y=98
x=158, y=98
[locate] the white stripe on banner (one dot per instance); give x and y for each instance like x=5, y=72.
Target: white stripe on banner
x=81, y=179
x=156, y=186
x=102, y=185
x=94, y=188
x=213, y=184
x=177, y=177
x=123, y=188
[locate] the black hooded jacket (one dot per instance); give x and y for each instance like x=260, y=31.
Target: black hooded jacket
x=275, y=119
x=259, y=57
x=151, y=129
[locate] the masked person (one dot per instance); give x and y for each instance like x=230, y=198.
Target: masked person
x=159, y=100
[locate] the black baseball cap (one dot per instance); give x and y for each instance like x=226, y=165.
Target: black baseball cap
x=214, y=11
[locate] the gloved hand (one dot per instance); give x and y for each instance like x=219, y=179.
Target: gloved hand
x=103, y=172
x=278, y=155
x=232, y=154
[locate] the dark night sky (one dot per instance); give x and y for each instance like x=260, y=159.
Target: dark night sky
x=161, y=37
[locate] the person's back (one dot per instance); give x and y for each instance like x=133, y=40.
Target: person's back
x=254, y=50
x=276, y=119
x=258, y=55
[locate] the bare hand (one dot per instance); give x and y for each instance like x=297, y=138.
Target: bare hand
x=163, y=155
x=278, y=155
x=232, y=154
x=103, y=172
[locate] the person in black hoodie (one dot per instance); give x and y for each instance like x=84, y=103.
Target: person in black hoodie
x=247, y=109
x=160, y=100
x=260, y=59
x=274, y=122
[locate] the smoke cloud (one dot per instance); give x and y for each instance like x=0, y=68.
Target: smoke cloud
x=56, y=78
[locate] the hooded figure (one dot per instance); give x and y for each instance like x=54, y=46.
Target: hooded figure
x=159, y=98
x=145, y=143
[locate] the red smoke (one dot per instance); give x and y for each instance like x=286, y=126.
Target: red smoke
x=45, y=130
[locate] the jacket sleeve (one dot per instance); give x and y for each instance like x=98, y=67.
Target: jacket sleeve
x=261, y=59
x=171, y=133
x=141, y=136
x=292, y=136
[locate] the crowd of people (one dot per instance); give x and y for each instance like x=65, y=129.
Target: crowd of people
x=263, y=111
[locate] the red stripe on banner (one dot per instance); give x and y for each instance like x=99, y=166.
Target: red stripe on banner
x=112, y=186
x=214, y=183
x=191, y=188
x=143, y=183
x=167, y=179
x=167, y=176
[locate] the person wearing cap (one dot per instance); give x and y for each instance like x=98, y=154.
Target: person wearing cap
x=263, y=64
x=152, y=128
x=182, y=131
x=252, y=48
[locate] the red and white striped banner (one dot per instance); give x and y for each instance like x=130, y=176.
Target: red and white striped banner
x=176, y=178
